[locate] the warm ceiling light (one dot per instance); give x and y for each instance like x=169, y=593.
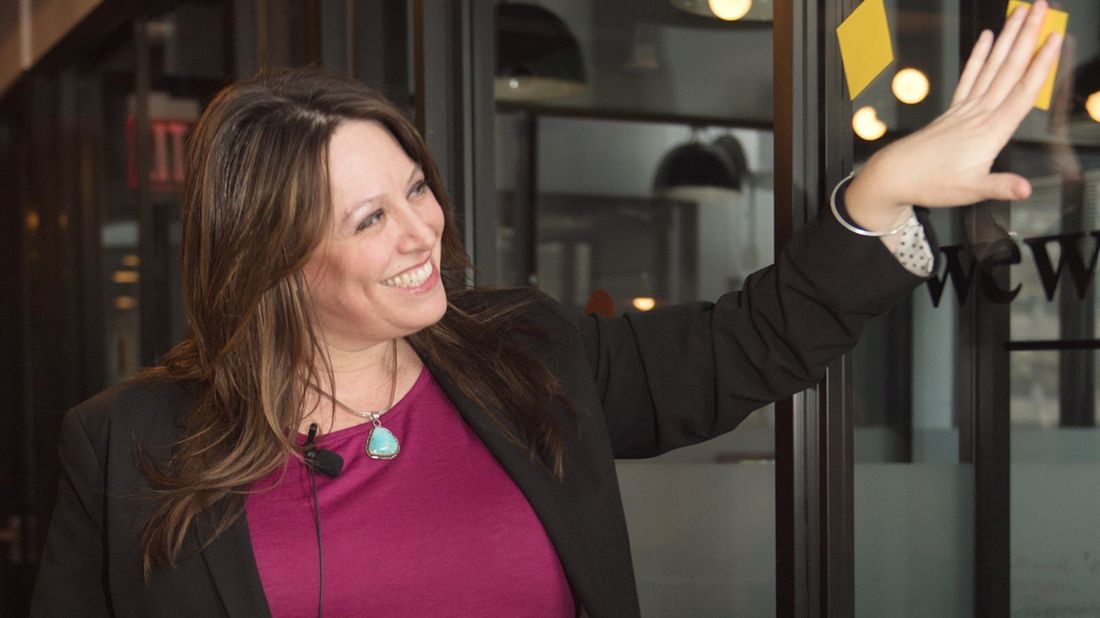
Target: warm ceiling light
x=131, y=260
x=910, y=86
x=741, y=11
x=125, y=302
x=729, y=10
x=644, y=303
x=125, y=276
x=1092, y=106
x=866, y=124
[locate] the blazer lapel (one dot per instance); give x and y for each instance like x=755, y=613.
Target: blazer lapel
x=549, y=498
x=233, y=568
x=229, y=557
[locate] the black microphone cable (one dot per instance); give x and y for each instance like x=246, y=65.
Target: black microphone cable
x=310, y=455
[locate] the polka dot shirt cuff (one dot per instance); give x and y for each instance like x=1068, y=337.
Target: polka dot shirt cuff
x=914, y=252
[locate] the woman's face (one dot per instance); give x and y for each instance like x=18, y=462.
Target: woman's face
x=376, y=275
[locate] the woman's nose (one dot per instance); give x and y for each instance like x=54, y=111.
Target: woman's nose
x=417, y=232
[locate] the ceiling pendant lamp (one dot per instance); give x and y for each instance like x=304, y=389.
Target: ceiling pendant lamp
x=699, y=172
x=538, y=58
x=728, y=10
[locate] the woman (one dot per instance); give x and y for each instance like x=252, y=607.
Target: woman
x=325, y=288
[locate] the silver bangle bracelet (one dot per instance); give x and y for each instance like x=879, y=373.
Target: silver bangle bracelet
x=855, y=229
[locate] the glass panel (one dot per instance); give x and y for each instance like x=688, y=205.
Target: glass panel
x=913, y=375
x=120, y=260
x=639, y=58
x=592, y=199
x=1055, y=482
x=914, y=480
x=188, y=62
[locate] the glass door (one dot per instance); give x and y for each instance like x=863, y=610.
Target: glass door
x=633, y=170
x=974, y=402
x=914, y=475
x=1052, y=340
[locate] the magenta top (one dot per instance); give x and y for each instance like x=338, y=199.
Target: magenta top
x=441, y=530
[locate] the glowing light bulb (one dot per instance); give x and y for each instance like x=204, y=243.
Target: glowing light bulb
x=866, y=124
x=644, y=303
x=910, y=86
x=729, y=10
x=1092, y=106
x=126, y=276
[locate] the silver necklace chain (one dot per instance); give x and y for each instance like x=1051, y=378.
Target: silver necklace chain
x=372, y=416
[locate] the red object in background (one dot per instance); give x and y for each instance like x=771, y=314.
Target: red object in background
x=600, y=303
x=167, y=165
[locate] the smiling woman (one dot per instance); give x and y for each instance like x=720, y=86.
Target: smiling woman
x=319, y=262
x=375, y=277
x=326, y=293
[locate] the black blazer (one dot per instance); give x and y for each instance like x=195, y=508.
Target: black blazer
x=642, y=384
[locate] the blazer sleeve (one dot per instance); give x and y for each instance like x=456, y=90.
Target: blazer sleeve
x=680, y=375
x=71, y=578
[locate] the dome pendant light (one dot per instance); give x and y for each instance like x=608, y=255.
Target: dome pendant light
x=699, y=172
x=538, y=58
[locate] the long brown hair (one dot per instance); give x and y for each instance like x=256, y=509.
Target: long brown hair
x=255, y=206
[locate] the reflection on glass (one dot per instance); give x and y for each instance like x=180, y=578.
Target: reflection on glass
x=642, y=191
x=1055, y=446
x=652, y=58
x=1050, y=244
x=187, y=65
x=914, y=482
x=1092, y=106
x=606, y=218
x=729, y=10
x=119, y=240
x=538, y=57
x=866, y=124
x=910, y=86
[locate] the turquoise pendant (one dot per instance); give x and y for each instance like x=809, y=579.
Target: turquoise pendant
x=382, y=444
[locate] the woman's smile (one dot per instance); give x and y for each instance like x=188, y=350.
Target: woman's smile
x=417, y=279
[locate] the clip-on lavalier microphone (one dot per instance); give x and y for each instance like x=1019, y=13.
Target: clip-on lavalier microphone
x=330, y=464
x=324, y=461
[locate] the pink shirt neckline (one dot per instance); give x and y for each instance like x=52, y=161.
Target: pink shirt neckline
x=441, y=529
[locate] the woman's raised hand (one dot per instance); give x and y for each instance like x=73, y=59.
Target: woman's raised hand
x=948, y=162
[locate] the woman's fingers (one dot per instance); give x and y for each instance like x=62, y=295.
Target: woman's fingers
x=973, y=66
x=1021, y=99
x=1001, y=48
x=948, y=162
x=1005, y=186
x=1019, y=59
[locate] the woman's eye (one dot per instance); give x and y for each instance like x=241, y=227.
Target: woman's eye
x=419, y=189
x=371, y=219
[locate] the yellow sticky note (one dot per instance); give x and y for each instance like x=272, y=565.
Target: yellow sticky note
x=1053, y=21
x=865, y=46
